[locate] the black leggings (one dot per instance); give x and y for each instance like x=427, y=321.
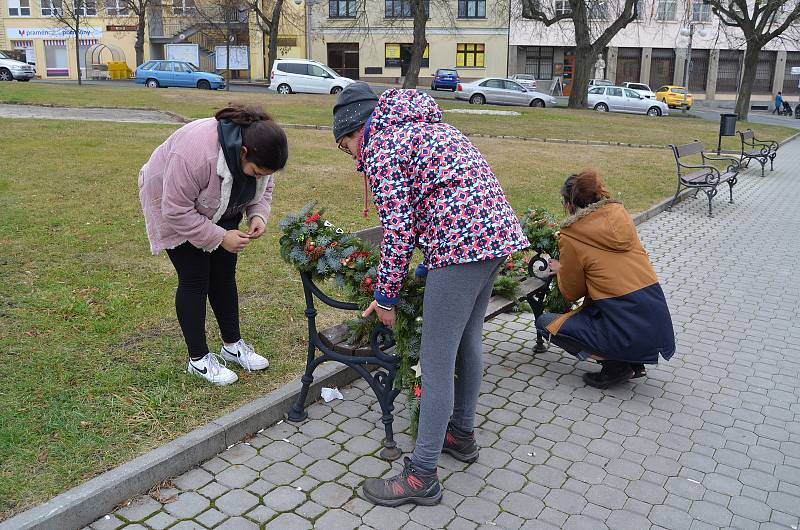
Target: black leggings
x=204, y=275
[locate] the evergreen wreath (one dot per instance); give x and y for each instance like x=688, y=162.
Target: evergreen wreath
x=314, y=245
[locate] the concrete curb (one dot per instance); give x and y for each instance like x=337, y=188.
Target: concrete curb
x=84, y=504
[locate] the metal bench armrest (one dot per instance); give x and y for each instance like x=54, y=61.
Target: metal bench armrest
x=734, y=165
x=308, y=282
x=772, y=144
x=713, y=175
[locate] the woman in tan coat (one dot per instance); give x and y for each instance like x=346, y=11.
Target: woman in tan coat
x=623, y=321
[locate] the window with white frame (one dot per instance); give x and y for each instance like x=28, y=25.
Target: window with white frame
x=471, y=8
x=85, y=8
x=183, y=7
x=667, y=10
x=115, y=8
x=700, y=12
x=598, y=10
x=51, y=8
x=562, y=7
x=19, y=8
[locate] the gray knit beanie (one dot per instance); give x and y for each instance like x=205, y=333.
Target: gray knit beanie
x=352, y=109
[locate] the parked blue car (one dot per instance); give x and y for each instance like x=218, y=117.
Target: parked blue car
x=445, y=78
x=156, y=74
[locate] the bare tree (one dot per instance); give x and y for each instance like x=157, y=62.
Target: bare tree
x=758, y=23
x=592, y=35
x=397, y=14
x=224, y=17
x=124, y=10
x=269, y=15
x=70, y=14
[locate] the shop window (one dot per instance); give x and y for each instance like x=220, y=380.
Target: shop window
x=539, y=62
x=55, y=57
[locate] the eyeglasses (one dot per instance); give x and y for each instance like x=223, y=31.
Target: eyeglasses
x=344, y=149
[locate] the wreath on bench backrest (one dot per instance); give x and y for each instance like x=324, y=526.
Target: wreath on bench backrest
x=314, y=245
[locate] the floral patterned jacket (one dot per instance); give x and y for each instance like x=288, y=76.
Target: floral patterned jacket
x=432, y=189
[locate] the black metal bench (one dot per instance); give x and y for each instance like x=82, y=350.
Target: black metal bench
x=704, y=177
x=376, y=362
x=758, y=150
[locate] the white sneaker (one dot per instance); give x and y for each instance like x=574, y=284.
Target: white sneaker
x=244, y=354
x=209, y=369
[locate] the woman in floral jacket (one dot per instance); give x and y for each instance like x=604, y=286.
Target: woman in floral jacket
x=433, y=190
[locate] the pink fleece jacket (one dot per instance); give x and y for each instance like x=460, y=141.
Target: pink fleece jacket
x=185, y=187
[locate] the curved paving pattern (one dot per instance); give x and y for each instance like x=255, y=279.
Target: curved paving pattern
x=708, y=440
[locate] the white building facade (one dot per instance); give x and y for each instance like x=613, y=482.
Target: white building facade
x=652, y=50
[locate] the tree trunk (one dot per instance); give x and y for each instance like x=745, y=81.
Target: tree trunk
x=272, y=54
x=78, y=45
x=139, y=45
x=585, y=57
x=420, y=43
x=748, y=78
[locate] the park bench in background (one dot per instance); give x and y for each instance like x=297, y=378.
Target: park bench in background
x=758, y=150
x=376, y=362
x=703, y=177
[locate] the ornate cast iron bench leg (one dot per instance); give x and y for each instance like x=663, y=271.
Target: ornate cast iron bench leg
x=537, y=297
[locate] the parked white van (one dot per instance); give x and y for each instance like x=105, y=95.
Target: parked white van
x=300, y=75
x=11, y=69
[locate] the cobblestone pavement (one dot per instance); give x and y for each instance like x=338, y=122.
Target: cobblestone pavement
x=710, y=439
x=91, y=114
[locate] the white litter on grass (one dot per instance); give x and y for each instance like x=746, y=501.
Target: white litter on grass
x=486, y=111
x=260, y=431
x=531, y=454
x=329, y=394
x=108, y=517
x=692, y=480
x=286, y=440
x=279, y=422
x=298, y=488
x=231, y=446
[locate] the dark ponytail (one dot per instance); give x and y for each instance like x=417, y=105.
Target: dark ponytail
x=583, y=189
x=264, y=139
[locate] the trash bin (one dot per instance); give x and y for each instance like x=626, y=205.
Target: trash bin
x=727, y=124
x=727, y=127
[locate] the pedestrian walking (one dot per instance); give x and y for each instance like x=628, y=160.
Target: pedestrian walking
x=195, y=189
x=623, y=322
x=434, y=190
x=778, y=104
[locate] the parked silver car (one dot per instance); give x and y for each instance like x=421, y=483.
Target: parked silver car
x=621, y=99
x=502, y=92
x=526, y=80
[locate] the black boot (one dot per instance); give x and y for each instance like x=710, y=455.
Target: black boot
x=638, y=370
x=612, y=373
x=459, y=446
x=410, y=486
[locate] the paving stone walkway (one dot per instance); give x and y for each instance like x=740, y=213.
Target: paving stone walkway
x=709, y=440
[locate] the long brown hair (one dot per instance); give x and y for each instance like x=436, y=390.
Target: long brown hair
x=264, y=139
x=584, y=188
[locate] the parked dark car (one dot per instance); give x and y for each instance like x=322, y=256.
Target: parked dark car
x=445, y=79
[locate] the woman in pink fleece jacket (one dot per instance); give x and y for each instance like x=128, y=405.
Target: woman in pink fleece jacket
x=194, y=190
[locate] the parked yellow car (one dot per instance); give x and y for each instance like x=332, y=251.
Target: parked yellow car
x=673, y=95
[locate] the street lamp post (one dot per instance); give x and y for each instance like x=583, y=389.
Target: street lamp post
x=307, y=17
x=689, y=32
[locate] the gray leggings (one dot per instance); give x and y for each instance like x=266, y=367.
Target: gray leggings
x=452, y=343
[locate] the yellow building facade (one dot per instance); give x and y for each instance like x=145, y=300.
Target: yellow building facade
x=362, y=39
x=371, y=40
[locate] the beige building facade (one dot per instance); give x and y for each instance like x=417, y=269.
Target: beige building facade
x=371, y=39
